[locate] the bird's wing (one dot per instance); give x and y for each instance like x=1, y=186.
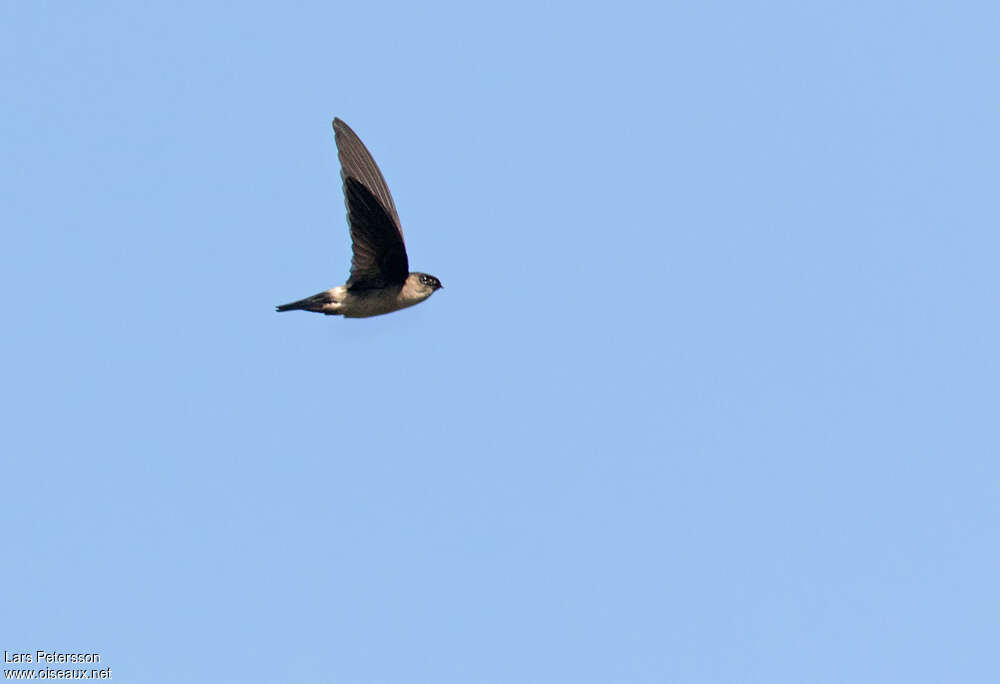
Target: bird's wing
x=379, y=253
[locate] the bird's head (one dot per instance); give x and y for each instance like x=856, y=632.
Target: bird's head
x=426, y=283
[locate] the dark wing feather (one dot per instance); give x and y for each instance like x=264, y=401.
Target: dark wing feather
x=379, y=255
x=379, y=252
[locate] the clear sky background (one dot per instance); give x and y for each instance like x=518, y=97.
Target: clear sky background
x=710, y=395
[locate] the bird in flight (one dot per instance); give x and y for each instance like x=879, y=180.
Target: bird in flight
x=380, y=280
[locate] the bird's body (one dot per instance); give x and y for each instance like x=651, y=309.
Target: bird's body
x=364, y=303
x=380, y=280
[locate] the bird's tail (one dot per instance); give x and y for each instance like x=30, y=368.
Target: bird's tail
x=314, y=303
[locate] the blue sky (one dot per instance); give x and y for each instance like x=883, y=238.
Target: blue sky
x=710, y=394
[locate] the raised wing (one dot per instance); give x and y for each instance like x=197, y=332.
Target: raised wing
x=379, y=252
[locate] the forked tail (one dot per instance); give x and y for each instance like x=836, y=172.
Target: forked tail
x=314, y=303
